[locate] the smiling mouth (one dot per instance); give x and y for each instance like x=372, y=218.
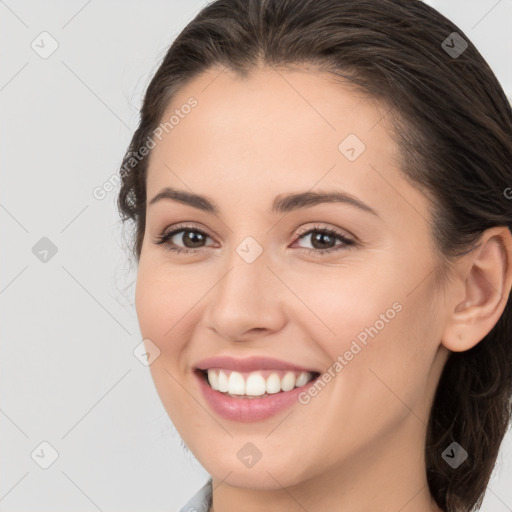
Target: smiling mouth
x=256, y=384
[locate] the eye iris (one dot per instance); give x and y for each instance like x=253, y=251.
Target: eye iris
x=318, y=238
x=193, y=237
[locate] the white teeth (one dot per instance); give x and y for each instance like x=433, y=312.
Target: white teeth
x=236, y=384
x=273, y=383
x=301, y=379
x=255, y=384
x=223, y=381
x=213, y=379
x=288, y=381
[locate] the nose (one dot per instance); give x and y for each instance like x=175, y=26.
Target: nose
x=247, y=301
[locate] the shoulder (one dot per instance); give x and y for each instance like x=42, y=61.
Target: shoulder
x=201, y=501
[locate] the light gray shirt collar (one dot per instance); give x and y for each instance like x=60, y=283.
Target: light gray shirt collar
x=201, y=501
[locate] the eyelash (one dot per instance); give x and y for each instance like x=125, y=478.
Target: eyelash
x=164, y=238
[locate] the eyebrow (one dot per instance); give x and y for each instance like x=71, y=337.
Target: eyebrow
x=283, y=203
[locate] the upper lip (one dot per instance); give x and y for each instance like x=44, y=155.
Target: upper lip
x=249, y=364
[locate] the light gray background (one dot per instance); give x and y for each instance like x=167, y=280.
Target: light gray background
x=68, y=373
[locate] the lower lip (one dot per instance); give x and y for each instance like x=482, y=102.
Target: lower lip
x=246, y=410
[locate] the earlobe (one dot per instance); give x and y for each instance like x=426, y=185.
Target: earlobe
x=487, y=283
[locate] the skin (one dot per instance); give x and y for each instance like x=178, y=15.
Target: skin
x=358, y=445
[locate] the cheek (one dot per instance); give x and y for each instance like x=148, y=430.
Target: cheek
x=161, y=311
x=160, y=300
x=379, y=339
x=340, y=304
x=150, y=304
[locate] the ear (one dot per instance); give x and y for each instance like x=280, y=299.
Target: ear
x=486, y=278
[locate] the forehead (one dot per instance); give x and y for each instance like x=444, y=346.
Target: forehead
x=276, y=131
x=274, y=106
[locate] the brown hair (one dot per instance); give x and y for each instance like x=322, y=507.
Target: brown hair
x=453, y=125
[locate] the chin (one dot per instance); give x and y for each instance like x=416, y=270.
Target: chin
x=274, y=473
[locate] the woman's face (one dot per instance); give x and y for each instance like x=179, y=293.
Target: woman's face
x=367, y=314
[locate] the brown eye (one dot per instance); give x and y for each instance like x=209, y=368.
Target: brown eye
x=191, y=238
x=323, y=240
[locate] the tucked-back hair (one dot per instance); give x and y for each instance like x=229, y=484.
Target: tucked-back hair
x=453, y=125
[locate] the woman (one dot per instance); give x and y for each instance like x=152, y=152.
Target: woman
x=322, y=232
